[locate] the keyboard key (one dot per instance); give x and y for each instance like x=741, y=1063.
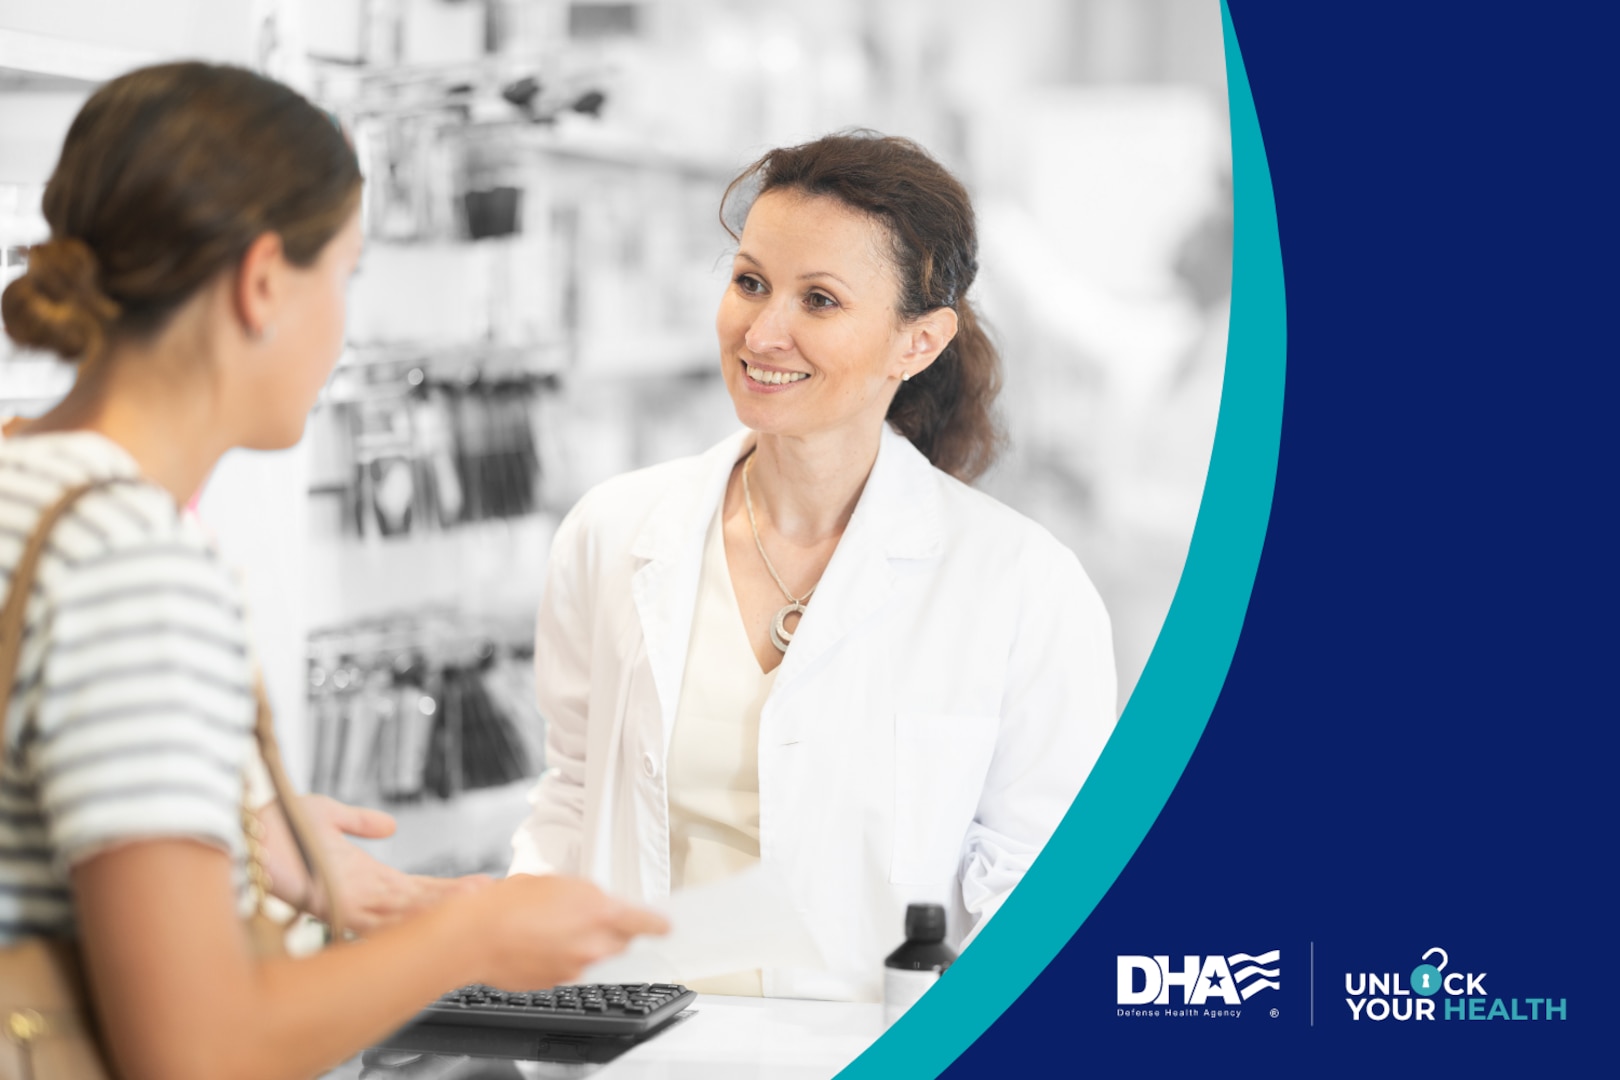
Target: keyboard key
x=616, y=1009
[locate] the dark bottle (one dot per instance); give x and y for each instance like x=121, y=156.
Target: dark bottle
x=915, y=966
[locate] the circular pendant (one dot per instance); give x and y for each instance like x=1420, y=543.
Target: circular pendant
x=781, y=636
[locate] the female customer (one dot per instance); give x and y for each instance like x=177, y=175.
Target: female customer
x=815, y=646
x=203, y=226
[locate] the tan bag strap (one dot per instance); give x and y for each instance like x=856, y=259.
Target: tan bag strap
x=320, y=880
x=12, y=626
x=22, y=583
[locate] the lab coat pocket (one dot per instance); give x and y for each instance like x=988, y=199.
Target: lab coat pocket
x=940, y=762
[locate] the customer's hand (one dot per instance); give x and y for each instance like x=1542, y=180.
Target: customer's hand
x=544, y=931
x=371, y=894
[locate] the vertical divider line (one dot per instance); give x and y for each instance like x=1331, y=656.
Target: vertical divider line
x=1313, y=984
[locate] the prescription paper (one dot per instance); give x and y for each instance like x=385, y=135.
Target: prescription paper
x=739, y=923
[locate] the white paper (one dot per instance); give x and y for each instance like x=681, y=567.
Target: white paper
x=739, y=923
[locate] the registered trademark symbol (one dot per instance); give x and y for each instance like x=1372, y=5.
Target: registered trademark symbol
x=1274, y=1014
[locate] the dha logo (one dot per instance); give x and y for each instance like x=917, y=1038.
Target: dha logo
x=1382, y=996
x=1234, y=979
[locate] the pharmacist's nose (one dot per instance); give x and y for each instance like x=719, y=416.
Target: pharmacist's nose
x=770, y=332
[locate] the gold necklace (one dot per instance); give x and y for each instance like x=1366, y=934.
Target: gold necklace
x=781, y=636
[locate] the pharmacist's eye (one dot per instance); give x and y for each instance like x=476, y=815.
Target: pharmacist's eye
x=819, y=301
x=750, y=284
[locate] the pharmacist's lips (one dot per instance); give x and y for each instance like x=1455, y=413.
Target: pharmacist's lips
x=773, y=376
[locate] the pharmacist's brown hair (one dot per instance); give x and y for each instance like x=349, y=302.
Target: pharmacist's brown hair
x=167, y=176
x=946, y=410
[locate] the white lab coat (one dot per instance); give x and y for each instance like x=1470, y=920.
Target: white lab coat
x=946, y=694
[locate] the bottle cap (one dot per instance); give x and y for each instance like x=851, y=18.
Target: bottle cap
x=925, y=923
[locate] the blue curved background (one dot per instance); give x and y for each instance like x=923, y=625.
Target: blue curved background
x=1172, y=702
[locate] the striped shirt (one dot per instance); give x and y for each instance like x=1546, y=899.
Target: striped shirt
x=132, y=713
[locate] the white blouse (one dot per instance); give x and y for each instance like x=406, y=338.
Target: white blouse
x=713, y=767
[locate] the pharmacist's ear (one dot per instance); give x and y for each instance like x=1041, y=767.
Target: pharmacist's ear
x=260, y=283
x=923, y=339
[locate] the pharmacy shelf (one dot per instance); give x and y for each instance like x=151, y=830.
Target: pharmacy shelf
x=604, y=146
x=41, y=56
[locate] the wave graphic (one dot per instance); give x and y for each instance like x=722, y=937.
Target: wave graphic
x=1255, y=987
x=1255, y=976
x=1245, y=974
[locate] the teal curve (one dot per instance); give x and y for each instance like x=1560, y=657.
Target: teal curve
x=1166, y=714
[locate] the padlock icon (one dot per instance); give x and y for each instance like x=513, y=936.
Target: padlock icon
x=1426, y=977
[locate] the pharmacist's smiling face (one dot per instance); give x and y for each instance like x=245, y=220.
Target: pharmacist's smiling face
x=810, y=340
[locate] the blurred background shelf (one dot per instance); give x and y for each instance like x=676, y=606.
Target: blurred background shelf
x=44, y=60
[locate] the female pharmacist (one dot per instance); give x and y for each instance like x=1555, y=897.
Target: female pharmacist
x=815, y=645
x=203, y=226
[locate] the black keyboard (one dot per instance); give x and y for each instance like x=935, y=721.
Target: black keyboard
x=629, y=1009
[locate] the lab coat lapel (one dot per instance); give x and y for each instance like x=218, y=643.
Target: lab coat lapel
x=665, y=586
x=898, y=517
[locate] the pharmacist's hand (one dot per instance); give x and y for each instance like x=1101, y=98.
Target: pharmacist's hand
x=372, y=895
x=545, y=931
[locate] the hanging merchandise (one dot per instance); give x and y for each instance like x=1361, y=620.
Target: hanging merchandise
x=404, y=754
x=433, y=454
x=473, y=743
x=410, y=162
x=496, y=460
x=438, y=483
x=407, y=709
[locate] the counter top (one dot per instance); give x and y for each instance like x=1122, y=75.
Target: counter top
x=717, y=1038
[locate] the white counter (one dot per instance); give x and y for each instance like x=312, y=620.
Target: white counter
x=717, y=1038
x=735, y=1038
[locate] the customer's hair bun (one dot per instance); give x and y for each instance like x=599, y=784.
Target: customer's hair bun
x=58, y=305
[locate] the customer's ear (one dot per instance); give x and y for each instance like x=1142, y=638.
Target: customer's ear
x=260, y=286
